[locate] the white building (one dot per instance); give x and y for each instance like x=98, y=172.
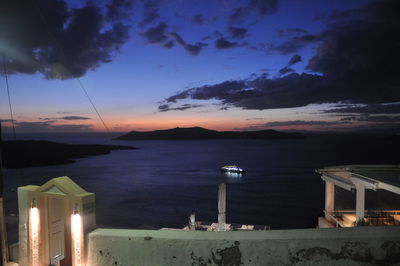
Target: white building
x=359, y=178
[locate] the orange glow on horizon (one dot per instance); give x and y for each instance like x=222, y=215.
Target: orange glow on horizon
x=167, y=121
x=156, y=123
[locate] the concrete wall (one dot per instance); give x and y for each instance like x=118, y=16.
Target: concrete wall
x=334, y=246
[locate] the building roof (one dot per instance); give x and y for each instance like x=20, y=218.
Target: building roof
x=383, y=176
x=62, y=186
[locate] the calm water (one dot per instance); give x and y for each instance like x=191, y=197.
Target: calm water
x=159, y=184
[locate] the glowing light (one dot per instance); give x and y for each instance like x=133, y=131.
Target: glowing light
x=76, y=228
x=34, y=222
x=233, y=174
x=232, y=169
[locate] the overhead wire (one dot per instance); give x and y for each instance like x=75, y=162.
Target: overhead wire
x=9, y=97
x=78, y=80
x=50, y=33
x=36, y=6
x=91, y=102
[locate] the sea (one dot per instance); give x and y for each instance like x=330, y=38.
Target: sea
x=162, y=182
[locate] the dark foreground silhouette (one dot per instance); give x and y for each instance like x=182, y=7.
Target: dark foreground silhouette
x=203, y=133
x=30, y=153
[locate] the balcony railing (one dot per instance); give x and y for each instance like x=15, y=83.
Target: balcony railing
x=347, y=218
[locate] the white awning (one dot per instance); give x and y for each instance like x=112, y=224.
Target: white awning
x=337, y=181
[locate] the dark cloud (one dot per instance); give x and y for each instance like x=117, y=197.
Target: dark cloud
x=169, y=44
x=159, y=35
x=205, y=38
x=295, y=59
x=183, y=107
x=375, y=118
x=343, y=16
x=55, y=119
x=290, y=31
x=198, y=19
x=119, y=9
x=266, y=70
x=303, y=123
x=163, y=107
x=256, y=118
x=218, y=34
x=33, y=126
x=74, y=117
x=48, y=36
x=368, y=109
x=48, y=126
x=293, y=90
x=296, y=43
x=70, y=128
x=52, y=119
x=285, y=70
x=239, y=14
x=7, y=120
x=262, y=93
x=259, y=8
x=223, y=43
x=360, y=54
x=355, y=61
x=156, y=34
x=218, y=91
x=151, y=10
x=237, y=33
x=194, y=49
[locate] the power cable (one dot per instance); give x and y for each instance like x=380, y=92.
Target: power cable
x=51, y=35
x=9, y=98
x=94, y=107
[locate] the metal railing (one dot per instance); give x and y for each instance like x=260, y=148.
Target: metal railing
x=371, y=217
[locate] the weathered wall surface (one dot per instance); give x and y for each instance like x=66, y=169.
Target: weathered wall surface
x=334, y=246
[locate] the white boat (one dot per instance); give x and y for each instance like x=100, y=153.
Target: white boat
x=232, y=169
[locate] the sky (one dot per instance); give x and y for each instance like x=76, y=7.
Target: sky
x=312, y=65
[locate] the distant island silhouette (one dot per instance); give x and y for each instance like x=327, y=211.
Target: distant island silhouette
x=31, y=153
x=192, y=133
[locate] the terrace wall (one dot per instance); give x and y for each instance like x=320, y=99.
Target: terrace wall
x=333, y=246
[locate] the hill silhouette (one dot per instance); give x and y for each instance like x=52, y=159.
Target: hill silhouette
x=193, y=133
x=31, y=153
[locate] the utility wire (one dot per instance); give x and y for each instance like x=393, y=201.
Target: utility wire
x=52, y=36
x=9, y=98
x=94, y=107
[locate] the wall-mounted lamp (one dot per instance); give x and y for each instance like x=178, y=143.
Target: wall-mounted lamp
x=33, y=203
x=76, y=211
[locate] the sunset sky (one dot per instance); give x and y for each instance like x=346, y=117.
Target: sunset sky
x=307, y=65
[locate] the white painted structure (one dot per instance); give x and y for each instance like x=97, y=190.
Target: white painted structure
x=53, y=219
x=222, y=207
x=358, y=178
x=367, y=245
